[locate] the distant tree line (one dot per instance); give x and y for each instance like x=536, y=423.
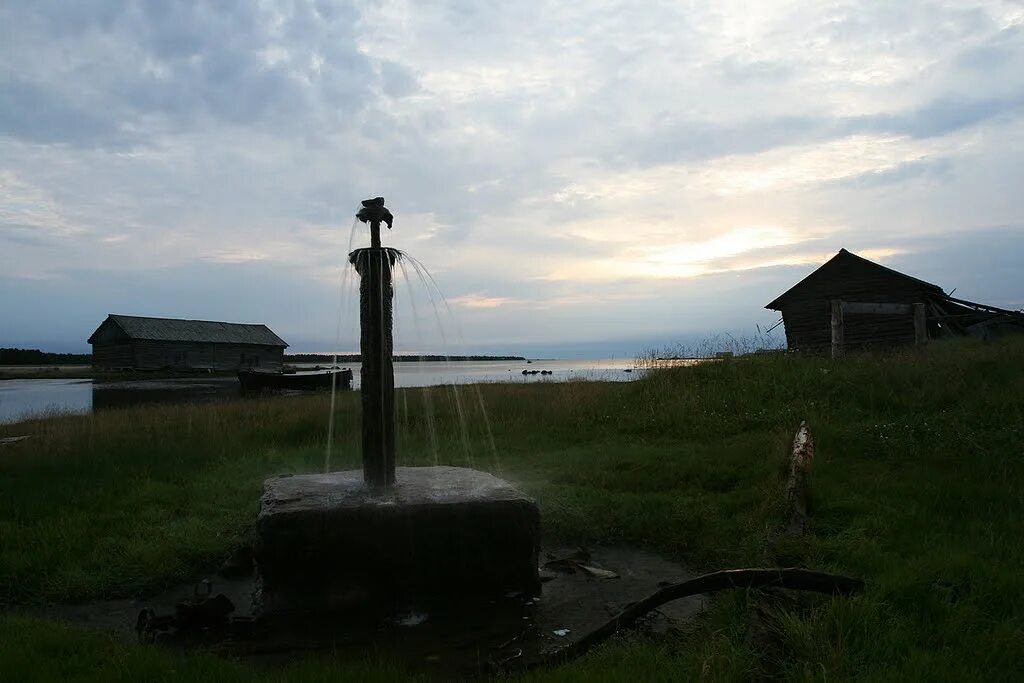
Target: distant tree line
x=37, y=357
x=355, y=358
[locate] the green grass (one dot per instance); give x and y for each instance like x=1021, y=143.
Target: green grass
x=37, y=650
x=918, y=487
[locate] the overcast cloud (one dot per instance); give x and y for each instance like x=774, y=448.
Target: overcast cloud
x=580, y=178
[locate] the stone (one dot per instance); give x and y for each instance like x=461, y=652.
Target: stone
x=326, y=541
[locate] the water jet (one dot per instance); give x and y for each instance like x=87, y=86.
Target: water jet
x=385, y=535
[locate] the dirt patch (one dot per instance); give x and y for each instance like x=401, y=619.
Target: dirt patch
x=446, y=637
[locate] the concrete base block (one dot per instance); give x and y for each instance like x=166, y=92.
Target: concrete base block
x=323, y=541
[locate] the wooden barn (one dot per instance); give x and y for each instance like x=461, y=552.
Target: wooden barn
x=851, y=302
x=140, y=343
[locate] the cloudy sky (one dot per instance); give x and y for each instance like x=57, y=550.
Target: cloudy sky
x=581, y=177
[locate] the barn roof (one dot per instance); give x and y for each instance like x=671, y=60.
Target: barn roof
x=845, y=255
x=203, y=331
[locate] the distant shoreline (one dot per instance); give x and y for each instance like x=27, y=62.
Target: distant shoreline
x=402, y=358
x=13, y=357
x=86, y=370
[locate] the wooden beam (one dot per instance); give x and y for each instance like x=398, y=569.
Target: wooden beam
x=857, y=308
x=920, y=326
x=942, y=320
x=986, y=307
x=837, y=329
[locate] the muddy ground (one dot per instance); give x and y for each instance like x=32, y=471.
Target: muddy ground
x=580, y=591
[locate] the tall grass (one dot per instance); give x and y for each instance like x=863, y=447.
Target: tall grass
x=918, y=487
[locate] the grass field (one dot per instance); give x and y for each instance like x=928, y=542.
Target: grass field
x=918, y=488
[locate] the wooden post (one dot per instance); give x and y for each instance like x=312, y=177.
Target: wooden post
x=920, y=326
x=376, y=347
x=377, y=376
x=375, y=234
x=837, y=329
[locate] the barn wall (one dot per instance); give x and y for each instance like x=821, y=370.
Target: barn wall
x=807, y=315
x=157, y=355
x=112, y=356
x=808, y=326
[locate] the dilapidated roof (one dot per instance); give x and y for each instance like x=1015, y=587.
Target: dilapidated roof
x=201, y=331
x=853, y=279
x=821, y=275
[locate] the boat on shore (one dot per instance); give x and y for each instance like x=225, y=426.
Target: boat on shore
x=257, y=381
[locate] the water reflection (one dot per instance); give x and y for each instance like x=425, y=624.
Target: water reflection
x=121, y=394
x=21, y=399
x=433, y=373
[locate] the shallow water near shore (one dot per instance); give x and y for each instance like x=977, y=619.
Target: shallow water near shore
x=21, y=399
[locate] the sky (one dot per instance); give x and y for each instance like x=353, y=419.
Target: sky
x=581, y=178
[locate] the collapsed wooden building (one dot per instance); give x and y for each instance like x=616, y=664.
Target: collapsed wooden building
x=128, y=342
x=851, y=302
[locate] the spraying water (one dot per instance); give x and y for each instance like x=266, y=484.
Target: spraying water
x=377, y=267
x=452, y=531
x=343, y=314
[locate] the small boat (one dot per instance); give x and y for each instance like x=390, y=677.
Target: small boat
x=255, y=380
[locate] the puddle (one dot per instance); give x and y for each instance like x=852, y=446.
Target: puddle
x=449, y=638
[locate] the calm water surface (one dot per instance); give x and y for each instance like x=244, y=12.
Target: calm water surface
x=21, y=399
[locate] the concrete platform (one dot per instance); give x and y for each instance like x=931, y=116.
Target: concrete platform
x=323, y=541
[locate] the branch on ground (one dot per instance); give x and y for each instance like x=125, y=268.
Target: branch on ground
x=792, y=578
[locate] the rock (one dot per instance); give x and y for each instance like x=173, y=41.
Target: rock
x=325, y=541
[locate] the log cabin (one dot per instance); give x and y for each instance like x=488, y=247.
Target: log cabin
x=876, y=306
x=128, y=342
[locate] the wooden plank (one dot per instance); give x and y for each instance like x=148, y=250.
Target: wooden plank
x=986, y=307
x=837, y=328
x=920, y=326
x=857, y=308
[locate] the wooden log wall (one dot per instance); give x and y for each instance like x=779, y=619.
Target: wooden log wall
x=112, y=356
x=807, y=312
x=160, y=355
x=840, y=310
x=808, y=326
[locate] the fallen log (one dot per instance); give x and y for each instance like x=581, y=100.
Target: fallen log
x=792, y=578
x=796, y=487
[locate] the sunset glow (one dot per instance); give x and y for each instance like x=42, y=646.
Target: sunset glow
x=554, y=166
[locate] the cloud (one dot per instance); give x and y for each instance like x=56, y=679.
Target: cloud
x=31, y=210
x=944, y=115
x=563, y=169
x=923, y=167
x=127, y=72
x=481, y=301
x=33, y=113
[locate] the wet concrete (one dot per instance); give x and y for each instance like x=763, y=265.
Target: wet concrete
x=442, y=636
x=329, y=542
